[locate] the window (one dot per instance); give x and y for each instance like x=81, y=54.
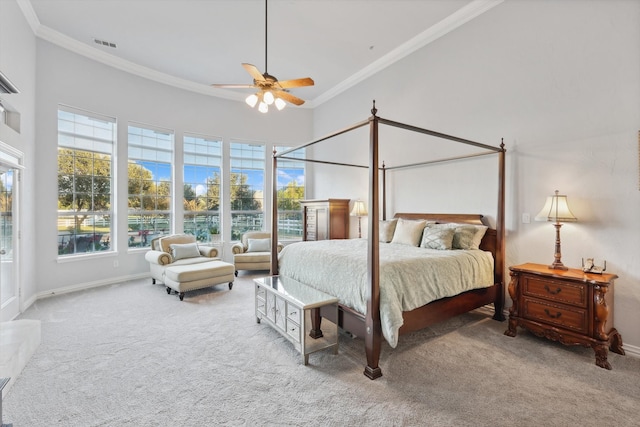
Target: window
x=247, y=188
x=202, y=176
x=85, y=180
x=149, y=183
x=290, y=187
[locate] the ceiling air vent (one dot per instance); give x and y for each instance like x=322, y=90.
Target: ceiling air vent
x=105, y=43
x=6, y=86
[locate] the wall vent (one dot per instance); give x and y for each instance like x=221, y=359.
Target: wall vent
x=105, y=43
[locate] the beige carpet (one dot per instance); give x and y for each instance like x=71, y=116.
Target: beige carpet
x=131, y=355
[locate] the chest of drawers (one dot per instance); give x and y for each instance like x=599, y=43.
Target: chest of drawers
x=572, y=307
x=325, y=219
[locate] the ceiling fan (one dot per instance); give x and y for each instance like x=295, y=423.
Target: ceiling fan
x=271, y=90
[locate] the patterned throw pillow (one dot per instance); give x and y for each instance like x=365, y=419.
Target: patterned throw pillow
x=464, y=236
x=437, y=238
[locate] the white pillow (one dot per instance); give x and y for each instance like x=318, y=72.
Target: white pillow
x=184, y=250
x=408, y=232
x=259, y=245
x=386, y=230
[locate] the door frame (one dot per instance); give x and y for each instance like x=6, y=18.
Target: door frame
x=12, y=158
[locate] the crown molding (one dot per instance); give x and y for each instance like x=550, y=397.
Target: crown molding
x=450, y=23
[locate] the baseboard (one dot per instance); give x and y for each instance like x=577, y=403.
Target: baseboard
x=631, y=350
x=88, y=285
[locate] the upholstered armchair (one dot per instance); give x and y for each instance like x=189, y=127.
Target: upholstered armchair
x=161, y=255
x=253, y=252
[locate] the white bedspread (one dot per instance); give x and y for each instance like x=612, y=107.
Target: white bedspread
x=410, y=277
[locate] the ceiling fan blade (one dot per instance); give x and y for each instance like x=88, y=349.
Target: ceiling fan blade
x=288, y=97
x=251, y=69
x=286, y=84
x=234, y=86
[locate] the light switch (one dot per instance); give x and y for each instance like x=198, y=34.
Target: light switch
x=526, y=218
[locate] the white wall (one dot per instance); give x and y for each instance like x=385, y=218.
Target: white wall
x=18, y=63
x=67, y=78
x=559, y=81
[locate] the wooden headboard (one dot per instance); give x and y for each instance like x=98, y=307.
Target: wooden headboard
x=489, y=241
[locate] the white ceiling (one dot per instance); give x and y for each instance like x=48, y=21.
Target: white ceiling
x=194, y=43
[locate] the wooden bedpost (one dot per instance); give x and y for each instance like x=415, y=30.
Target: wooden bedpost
x=373, y=327
x=274, y=216
x=498, y=303
x=384, y=191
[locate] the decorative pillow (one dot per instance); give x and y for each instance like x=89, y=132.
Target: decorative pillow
x=480, y=232
x=408, y=232
x=463, y=237
x=466, y=236
x=437, y=238
x=184, y=250
x=386, y=229
x=259, y=245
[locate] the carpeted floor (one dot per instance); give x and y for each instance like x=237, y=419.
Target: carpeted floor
x=129, y=354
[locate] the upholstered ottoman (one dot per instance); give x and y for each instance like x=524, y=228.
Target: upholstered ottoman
x=183, y=278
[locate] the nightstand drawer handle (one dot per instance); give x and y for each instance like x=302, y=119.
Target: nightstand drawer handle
x=557, y=291
x=558, y=314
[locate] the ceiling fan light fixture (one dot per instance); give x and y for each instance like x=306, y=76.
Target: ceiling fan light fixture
x=263, y=108
x=268, y=97
x=280, y=104
x=252, y=100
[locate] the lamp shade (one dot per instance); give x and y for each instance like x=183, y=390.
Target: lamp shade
x=556, y=209
x=359, y=209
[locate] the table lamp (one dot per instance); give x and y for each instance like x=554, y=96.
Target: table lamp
x=359, y=209
x=556, y=209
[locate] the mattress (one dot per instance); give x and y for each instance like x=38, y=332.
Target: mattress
x=410, y=277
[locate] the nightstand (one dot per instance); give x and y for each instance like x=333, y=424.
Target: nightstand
x=568, y=306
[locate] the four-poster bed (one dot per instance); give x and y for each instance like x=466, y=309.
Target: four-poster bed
x=368, y=324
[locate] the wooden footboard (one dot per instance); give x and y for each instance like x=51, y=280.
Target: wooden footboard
x=427, y=315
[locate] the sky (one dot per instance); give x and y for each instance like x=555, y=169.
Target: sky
x=255, y=178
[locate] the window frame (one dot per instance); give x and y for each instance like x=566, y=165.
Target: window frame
x=79, y=133
x=213, y=155
x=158, y=152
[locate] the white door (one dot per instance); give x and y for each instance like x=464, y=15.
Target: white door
x=9, y=293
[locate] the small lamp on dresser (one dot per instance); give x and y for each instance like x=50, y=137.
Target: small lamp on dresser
x=556, y=209
x=359, y=209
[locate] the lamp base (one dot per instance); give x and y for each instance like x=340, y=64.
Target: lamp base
x=558, y=266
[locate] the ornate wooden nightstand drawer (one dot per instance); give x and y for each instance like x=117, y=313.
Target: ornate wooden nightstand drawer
x=567, y=317
x=555, y=290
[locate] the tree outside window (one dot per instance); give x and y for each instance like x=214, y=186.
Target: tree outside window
x=149, y=185
x=85, y=182
x=291, y=190
x=201, y=192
